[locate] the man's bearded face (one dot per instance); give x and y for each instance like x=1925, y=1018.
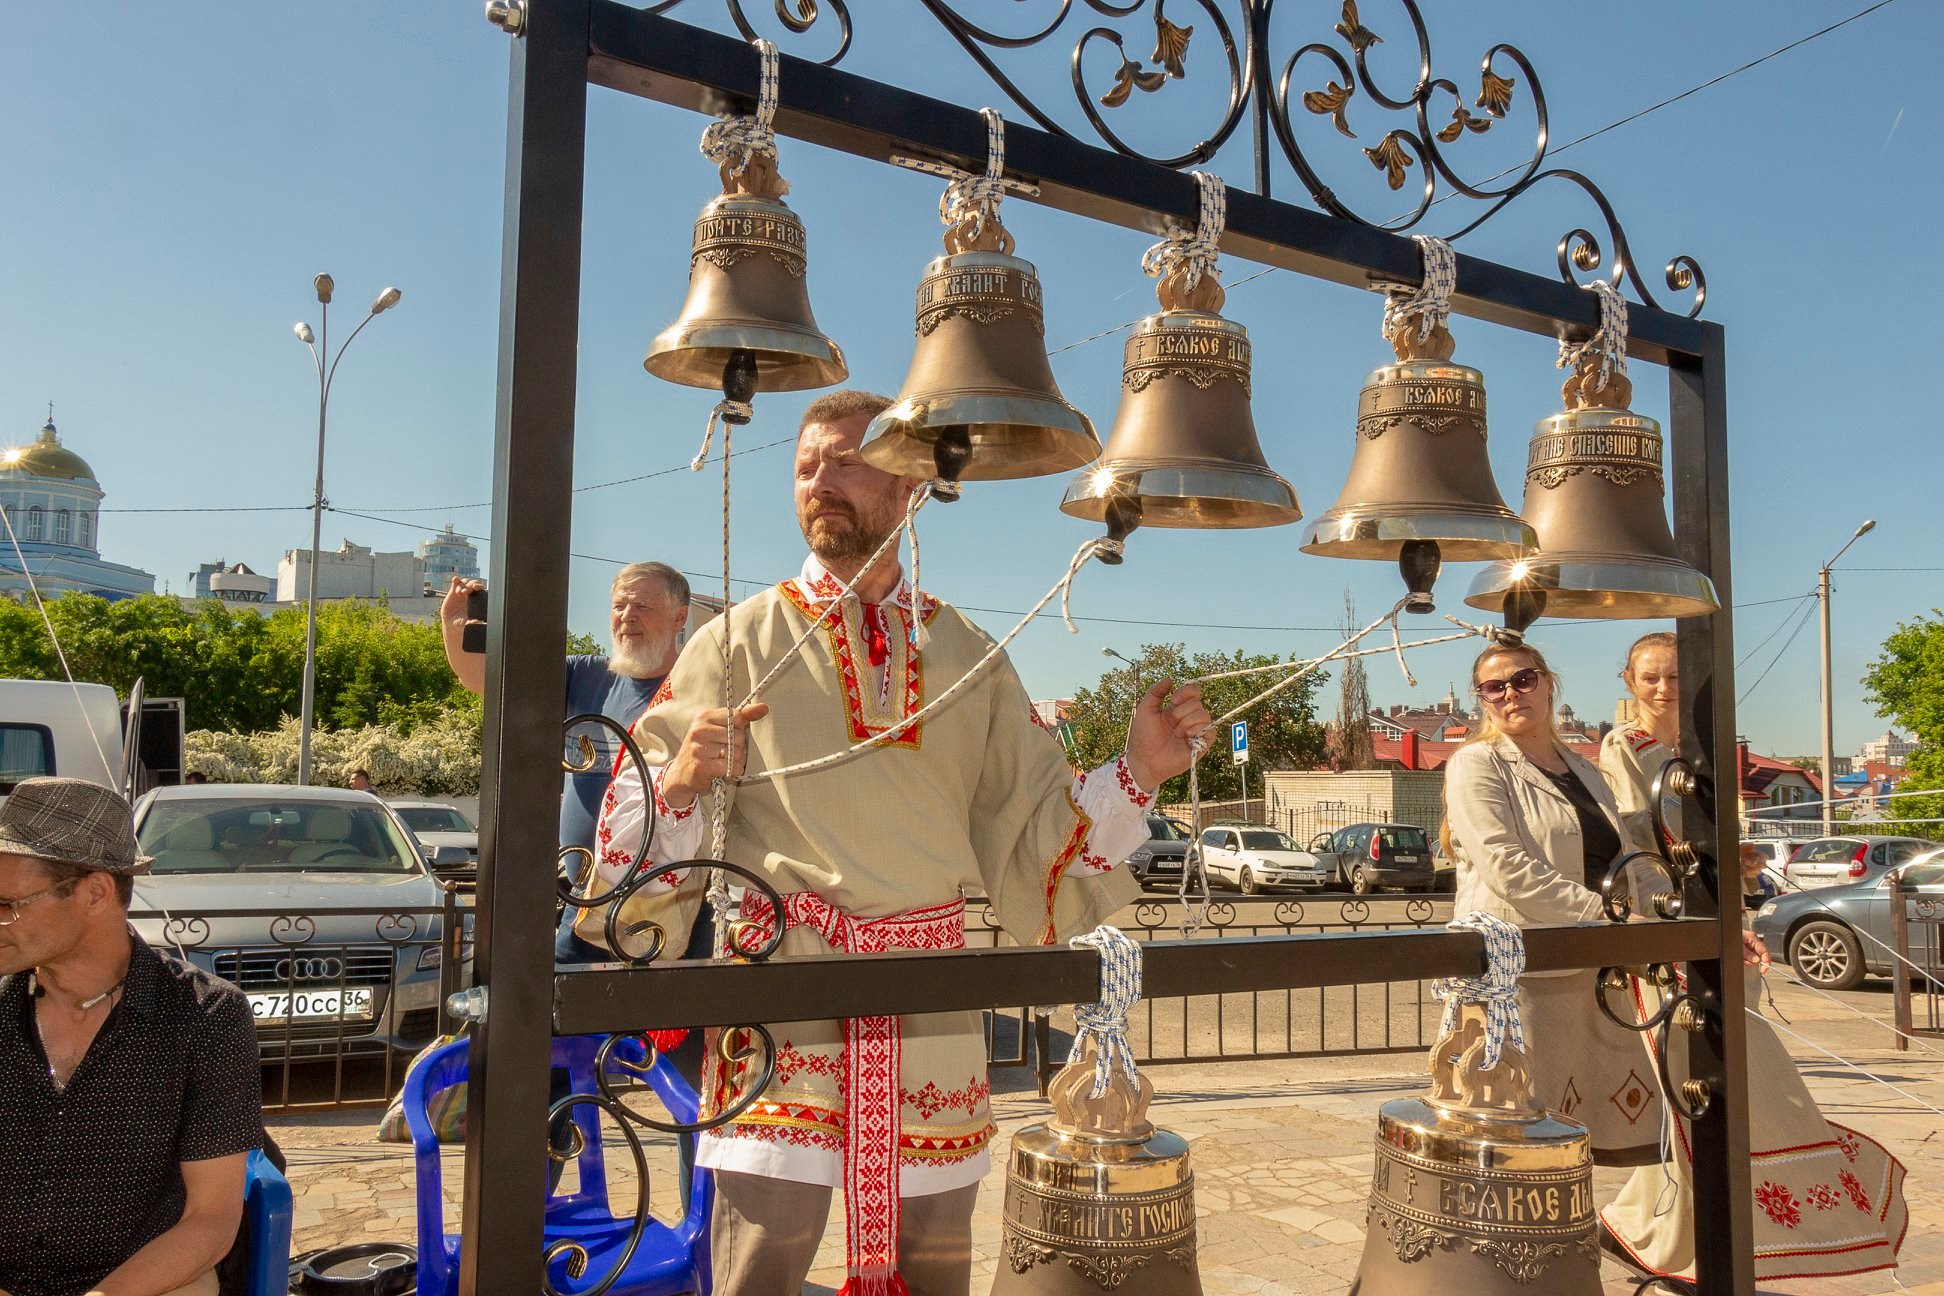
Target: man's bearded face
x=845, y=507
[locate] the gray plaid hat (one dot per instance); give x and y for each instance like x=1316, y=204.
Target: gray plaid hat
x=71, y=821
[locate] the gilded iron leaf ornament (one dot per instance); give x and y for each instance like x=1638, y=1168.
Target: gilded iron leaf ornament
x=1170, y=57
x=1131, y=77
x=1171, y=45
x=1352, y=29
x=1494, y=93
x=1390, y=158
x=1333, y=99
x=1462, y=121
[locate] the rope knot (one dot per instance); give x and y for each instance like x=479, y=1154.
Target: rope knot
x=1105, y=1022
x=1497, y=990
x=1193, y=251
x=1609, y=341
x=1430, y=300
x=972, y=200
x=733, y=142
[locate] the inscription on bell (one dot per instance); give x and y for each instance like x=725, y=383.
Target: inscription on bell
x=1157, y=1220
x=1513, y=1203
x=978, y=283
x=761, y=229
x=1459, y=396
x=1558, y=446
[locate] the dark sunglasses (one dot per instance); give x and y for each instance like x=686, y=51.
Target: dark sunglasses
x=1520, y=682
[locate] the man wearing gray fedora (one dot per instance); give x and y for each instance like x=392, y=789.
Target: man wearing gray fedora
x=129, y=1080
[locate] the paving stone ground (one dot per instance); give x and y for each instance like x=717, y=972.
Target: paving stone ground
x=1281, y=1152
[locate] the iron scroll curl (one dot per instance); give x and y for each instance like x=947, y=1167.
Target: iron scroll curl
x=742, y=944
x=606, y=1059
x=1617, y=907
x=1677, y=778
x=648, y=818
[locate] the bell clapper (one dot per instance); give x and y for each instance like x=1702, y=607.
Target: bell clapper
x=1123, y=515
x=738, y=384
x=1525, y=602
x=950, y=453
x=1420, y=562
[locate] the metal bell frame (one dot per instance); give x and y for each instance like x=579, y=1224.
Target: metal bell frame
x=560, y=47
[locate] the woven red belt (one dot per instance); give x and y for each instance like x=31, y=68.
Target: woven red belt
x=872, y=1071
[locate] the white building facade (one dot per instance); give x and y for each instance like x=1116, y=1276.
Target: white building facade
x=52, y=503
x=350, y=571
x=446, y=555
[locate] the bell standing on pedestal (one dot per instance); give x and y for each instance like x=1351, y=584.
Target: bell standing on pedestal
x=1420, y=490
x=747, y=320
x=1184, y=451
x=1596, y=497
x=979, y=402
x=1097, y=1199
x=1477, y=1191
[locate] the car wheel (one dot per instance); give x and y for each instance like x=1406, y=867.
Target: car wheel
x=1246, y=882
x=1359, y=884
x=1826, y=955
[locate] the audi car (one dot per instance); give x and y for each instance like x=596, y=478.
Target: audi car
x=315, y=902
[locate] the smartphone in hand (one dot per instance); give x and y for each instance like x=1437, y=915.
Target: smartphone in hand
x=472, y=638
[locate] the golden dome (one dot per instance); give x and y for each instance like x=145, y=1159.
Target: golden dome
x=46, y=457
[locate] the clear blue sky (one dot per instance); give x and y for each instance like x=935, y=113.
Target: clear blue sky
x=173, y=183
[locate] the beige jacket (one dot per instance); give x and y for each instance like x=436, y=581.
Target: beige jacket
x=1516, y=838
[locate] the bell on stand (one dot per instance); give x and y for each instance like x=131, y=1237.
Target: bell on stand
x=1184, y=451
x=746, y=325
x=1420, y=491
x=1596, y=497
x=979, y=402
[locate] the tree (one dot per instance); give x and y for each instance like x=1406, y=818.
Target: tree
x=1283, y=732
x=1355, y=750
x=1907, y=685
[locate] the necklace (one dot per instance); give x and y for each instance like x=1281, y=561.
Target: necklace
x=40, y=992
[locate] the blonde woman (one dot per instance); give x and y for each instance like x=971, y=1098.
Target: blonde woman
x=1828, y=1201
x=1533, y=830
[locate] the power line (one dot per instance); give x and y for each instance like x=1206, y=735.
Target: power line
x=1780, y=653
x=1786, y=618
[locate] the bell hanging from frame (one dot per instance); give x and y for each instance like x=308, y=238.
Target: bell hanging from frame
x=1595, y=496
x=1184, y=451
x=747, y=323
x=1098, y=1199
x=1420, y=490
x=1475, y=1188
x=979, y=402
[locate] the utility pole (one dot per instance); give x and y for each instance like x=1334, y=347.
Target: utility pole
x=1828, y=692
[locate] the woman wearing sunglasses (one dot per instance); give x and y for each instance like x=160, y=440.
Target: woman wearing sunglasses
x=1828, y=1200
x=1533, y=829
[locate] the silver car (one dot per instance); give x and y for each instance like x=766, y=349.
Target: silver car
x=315, y=902
x=1834, y=936
x=1836, y=861
x=438, y=826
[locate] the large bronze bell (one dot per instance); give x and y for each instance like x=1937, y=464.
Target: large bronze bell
x=979, y=402
x=1595, y=495
x=1420, y=490
x=1183, y=452
x=748, y=304
x=1475, y=1189
x=1097, y=1199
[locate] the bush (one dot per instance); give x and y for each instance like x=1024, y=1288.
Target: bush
x=435, y=756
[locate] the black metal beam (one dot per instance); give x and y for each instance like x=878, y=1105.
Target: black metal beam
x=659, y=58
x=501, y=1243
x=679, y=994
x=1698, y=435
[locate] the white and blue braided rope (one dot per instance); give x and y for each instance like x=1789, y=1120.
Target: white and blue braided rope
x=975, y=198
x=1430, y=301
x=1497, y=990
x=1194, y=250
x=1609, y=341
x=1106, y=1022
x=733, y=141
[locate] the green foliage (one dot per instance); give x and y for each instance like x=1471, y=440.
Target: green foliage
x=1907, y=684
x=436, y=757
x=1283, y=732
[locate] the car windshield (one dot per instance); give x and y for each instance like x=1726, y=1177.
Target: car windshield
x=1824, y=852
x=1403, y=839
x=1927, y=874
x=433, y=819
x=264, y=835
x=1164, y=830
x=1267, y=839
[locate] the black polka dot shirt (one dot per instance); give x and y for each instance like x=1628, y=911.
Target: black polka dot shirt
x=92, y=1172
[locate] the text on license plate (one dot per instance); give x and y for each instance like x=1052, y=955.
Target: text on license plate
x=1404, y=859
x=312, y=1005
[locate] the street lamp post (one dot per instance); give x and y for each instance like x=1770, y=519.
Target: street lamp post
x=1828, y=705
x=319, y=343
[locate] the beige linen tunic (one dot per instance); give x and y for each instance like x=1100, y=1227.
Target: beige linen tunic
x=976, y=796
x=1630, y=760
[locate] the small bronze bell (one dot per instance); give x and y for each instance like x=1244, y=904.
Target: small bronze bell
x=1184, y=451
x=1420, y=489
x=1594, y=494
x=1097, y=1199
x=747, y=300
x=1475, y=1189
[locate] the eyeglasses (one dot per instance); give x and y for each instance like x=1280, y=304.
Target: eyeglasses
x=1494, y=690
x=10, y=909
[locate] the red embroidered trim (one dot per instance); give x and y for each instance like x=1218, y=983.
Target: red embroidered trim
x=1780, y=1204
x=790, y=1060
x=836, y=632
x=1057, y=867
x=1854, y=1187
x=932, y=1100
x=663, y=808
x=1125, y=777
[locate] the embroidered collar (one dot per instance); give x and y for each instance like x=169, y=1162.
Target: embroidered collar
x=820, y=587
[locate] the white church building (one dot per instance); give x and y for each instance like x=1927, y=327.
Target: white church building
x=52, y=503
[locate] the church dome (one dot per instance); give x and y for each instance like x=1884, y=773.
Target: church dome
x=47, y=457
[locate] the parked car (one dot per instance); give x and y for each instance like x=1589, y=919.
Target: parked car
x=241, y=872
x=1368, y=857
x=1253, y=859
x=1159, y=861
x=1833, y=861
x=436, y=824
x=1834, y=936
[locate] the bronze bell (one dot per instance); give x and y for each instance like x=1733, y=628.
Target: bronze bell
x=979, y=402
x=1594, y=493
x=1183, y=452
x=1475, y=1189
x=1420, y=489
x=1097, y=1199
x=747, y=300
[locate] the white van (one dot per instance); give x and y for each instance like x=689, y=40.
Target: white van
x=73, y=730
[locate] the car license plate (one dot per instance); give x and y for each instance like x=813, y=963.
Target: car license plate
x=311, y=1005
x=1404, y=859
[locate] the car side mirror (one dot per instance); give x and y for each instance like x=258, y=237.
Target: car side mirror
x=451, y=859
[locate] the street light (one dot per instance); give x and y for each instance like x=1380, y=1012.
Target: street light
x=1828, y=707
x=320, y=343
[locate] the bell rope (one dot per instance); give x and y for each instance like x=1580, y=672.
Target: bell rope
x=1193, y=251
x=734, y=142
x=1105, y=1022
x=975, y=198
x=1497, y=990
x=1430, y=301
x=1609, y=342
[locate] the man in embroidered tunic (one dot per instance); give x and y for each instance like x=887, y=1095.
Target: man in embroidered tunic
x=870, y=854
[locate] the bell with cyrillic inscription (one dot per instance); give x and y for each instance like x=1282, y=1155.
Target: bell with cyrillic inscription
x=1596, y=497
x=1476, y=1190
x=1097, y=1199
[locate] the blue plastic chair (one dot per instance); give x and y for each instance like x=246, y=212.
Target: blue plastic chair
x=668, y=1262
x=267, y=1213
